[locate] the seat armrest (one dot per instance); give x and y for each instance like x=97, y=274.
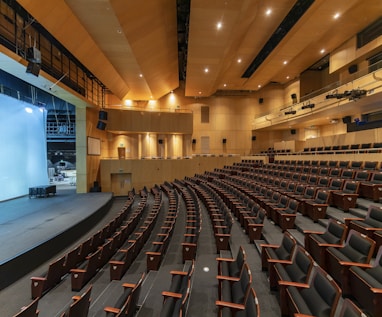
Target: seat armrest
x=178, y=273
x=128, y=285
x=225, y=260
x=295, y=284
x=279, y=261
x=112, y=310
x=273, y=246
x=228, y=278
x=313, y=232
x=172, y=294
x=230, y=305
x=361, y=265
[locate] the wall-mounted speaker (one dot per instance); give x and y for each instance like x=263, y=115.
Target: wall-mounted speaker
x=33, y=68
x=253, y=137
x=346, y=119
x=353, y=68
x=293, y=131
x=102, y=115
x=261, y=100
x=293, y=96
x=160, y=141
x=224, y=141
x=193, y=141
x=101, y=125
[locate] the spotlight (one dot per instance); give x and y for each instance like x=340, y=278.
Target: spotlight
x=308, y=106
x=290, y=112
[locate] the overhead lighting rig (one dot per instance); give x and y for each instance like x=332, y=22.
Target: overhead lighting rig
x=308, y=106
x=354, y=94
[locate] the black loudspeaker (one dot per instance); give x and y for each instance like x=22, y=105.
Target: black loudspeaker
x=193, y=141
x=102, y=115
x=253, y=137
x=346, y=119
x=160, y=141
x=353, y=69
x=101, y=125
x=33, y=68
x=293, y=131
x=261, y=100
x=293, y=96
x=224, y=141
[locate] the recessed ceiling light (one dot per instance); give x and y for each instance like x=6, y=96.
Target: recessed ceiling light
x=200, y=92
x=287, y=77
x=224, y=85
x=258, y=86
x=206, y=70
x=285, y=62
x=268, y=12
x=322, y=51
x=140, y=75
x=239, y=60
x=219, y=25
x=119, y=31
x=336, y=16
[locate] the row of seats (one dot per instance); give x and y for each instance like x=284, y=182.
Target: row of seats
x=193, y=220
x=220, y=216
x=96, y=260
x=237, y=297
x=62, y=266
x=159, y=245
x=127, y=253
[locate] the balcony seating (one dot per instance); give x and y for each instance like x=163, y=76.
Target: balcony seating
x=250, y=308
x=366, y=285
x=234, y=290
x=356, y=165
x=319, y=297
x=372, y=189
x=357, y=250
x=316, y=209
x=80, y=305
x=232, y=266
x=347, y=173
x=370, y=165
x=335, y=184
x=29, y=310
x=317, y=242
x=127, y=304
x=309, y=194
x=284, y=251
x=347, y=197
x=343, y=164
x=297, y=270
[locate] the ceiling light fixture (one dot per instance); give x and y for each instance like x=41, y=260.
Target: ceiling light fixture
x=336, y=16
x=219, y=25
x=206, y=70
x=268, y=12
x=239, y=60
x=285, y=62
x=322, y=51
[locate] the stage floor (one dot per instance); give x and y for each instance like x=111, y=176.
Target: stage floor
x=26, y=222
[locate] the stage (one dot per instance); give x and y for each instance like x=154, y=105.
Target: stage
x=32, y=230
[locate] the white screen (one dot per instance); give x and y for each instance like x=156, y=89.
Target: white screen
x=23, y=154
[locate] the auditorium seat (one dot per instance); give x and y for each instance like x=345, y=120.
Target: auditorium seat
x=253, y=225
x=296, y=270
x=316, y=242
x=30, y=310
x=285, y=217
x=234, y=290
x=232, y=266
x=368, y=225
x=370, y=165
x=372, y=189
x=316, y=208
x=250, y=308
x=80, y=305
x=349, y=309
x=366, y=285
x=283, y=251
x=347, y=197
x=319, y=297
x=41, y=284
x=126, y=305
x=357, y=250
